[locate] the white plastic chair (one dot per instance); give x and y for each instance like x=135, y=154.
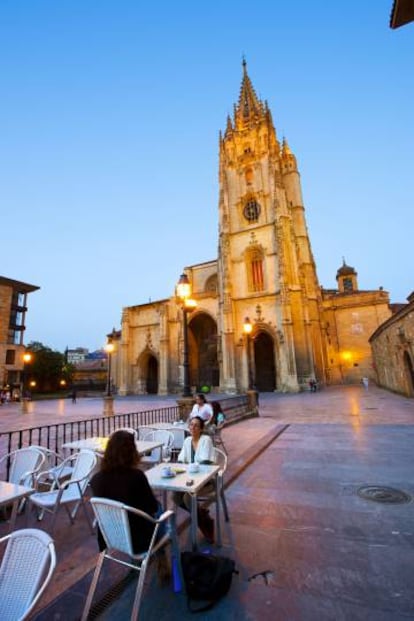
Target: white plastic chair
x=142, y=431
x=112, y=518
x=26, y=569
x=55, y=464
x=220, y=458
x=217, y=437
x=129, y=429
x=70, y=491
x=157, y=435
x=25, y=463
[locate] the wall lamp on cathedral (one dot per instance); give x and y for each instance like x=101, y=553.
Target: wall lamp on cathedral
x=183, y=291
x=247, y=329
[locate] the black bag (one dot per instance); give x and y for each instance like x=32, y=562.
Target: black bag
x=207, y=577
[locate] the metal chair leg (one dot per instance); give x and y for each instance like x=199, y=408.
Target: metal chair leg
x=92, y=588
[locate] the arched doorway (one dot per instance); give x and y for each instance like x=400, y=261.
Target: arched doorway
x=152, y=375
x=409, y=373
x=204, y=368
x=264, y=363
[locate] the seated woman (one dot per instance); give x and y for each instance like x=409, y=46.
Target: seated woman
x=218, y=418
x=120, y=479
x=202, y=409
x=197, y=447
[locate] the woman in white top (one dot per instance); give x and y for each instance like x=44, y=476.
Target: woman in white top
x=202, y=409
x=199, y=448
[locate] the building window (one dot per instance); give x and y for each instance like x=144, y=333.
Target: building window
x=257, y=275
x=252, y=211
x=348, y=285
x=255, y=269
x=10, y=356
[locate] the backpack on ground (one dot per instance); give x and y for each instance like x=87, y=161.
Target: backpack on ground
x=207, y=578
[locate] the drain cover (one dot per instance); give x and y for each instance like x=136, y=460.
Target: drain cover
x=386, y=495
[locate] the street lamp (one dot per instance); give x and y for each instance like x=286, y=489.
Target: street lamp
x=27, y=358
x=247, y=329
x=183, y=290
x=109, y=348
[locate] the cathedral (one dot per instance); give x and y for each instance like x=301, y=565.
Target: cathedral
x=264, y=278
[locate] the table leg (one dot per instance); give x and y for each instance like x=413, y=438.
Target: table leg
x=13, y=515
x=194, y=521
x=218, y=521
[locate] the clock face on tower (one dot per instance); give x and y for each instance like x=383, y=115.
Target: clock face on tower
x=251, y=210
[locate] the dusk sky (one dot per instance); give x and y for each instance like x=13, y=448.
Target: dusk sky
x=110, y=113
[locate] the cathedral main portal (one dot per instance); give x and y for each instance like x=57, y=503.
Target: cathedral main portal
x=204, y=369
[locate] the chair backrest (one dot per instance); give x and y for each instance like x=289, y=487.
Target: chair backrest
x=129, y=430
x=164, y=436
x=179, y=437
x=220, y=458
x=25, y=463
x=157, y=435
x=52, y=459
x=83, y=464
x=27, y=566
x=112, y=518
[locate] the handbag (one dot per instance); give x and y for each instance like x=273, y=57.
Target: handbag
x=207, y=578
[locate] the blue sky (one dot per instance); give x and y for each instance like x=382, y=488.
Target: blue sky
x=109, y=120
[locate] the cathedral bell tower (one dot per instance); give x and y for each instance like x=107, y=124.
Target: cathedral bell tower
x=265, y=267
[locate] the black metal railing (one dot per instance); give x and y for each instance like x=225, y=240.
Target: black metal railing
x=55, y=435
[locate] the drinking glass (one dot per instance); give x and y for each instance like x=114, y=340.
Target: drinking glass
x=166, y=454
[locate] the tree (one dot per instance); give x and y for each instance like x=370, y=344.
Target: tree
x=48, y=368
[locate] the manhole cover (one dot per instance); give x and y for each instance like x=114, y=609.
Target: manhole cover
x=386, y=495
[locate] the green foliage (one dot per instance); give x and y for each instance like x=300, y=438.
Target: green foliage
x=47, y=368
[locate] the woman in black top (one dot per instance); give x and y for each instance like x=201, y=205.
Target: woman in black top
x=120, y=479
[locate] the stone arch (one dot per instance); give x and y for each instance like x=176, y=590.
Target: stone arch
x=264, y=364
x=147, y=373
x=204, y=368
x=409, y=373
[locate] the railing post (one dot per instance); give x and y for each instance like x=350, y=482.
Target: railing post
x=253, y=401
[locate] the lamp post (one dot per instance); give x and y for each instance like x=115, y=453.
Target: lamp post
x=187, y=304
x=247, y=329
x=27, y=358
x=109, y=348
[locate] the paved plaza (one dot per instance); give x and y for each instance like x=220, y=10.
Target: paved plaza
x=306, y=544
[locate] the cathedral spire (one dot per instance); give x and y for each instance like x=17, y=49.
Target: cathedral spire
x=249, y=107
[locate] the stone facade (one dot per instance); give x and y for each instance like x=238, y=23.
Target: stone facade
x=393, y=351
x=13, y=308
x=265, y=271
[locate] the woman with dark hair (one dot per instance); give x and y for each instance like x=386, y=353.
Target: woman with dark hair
x=218, y=415
x=198, y=448
x=202, y=409
x=120, y=479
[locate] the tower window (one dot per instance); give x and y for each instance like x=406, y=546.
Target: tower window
x=348, y=285
x=252, y=211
